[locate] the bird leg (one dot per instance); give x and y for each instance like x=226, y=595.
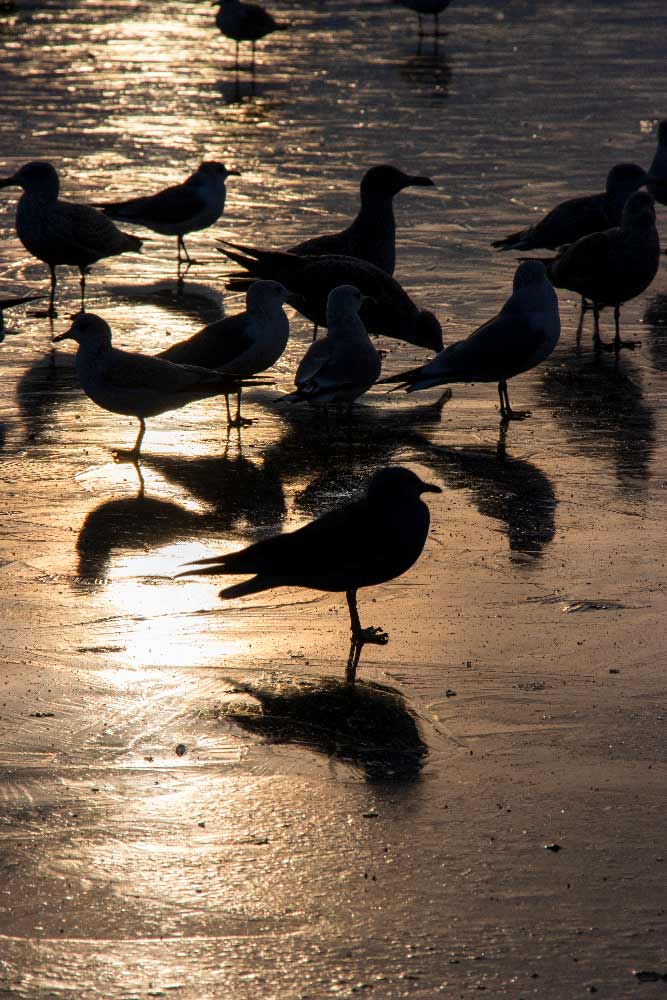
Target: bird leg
x=598, y=342
x=618, y=343
x=132, y=455
x=360, y=636
x=315, y=329
x=51, y=313
x=82, y=281
x=506, y=411
x=238, y=420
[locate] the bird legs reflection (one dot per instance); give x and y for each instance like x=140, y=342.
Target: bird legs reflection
x=360, y=636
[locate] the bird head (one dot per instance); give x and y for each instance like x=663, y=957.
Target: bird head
x=87, y=329
x=266, y=295
x=624, y=179
x=212, y=168
x=428, y=332
x=397, y=479
x=639, y=211
x=38, y=176
x=529, y=272
x=387, y=181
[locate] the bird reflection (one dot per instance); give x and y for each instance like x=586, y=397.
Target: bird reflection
x=603, y=412
x=428, y=70
x=655, y=319
x=40, y=391
x=506, y=489
x=367, y=726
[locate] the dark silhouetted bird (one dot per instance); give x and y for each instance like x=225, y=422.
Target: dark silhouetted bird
x=426, y=7
x=657, y=183
x=362, y=544
x=62, y=232
x=245, y=22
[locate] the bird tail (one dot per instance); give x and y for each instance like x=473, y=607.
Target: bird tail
x=132, y=243
x=254, y=586
x=218, y=566
x=276, y=265
x=8, y=303
x=511, y=242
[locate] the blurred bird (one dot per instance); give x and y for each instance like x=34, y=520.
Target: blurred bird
x=9, y=303
x=243, y=345
x=612, y=267
x=522, y=335
x=181, y=209
x=657, y=182
x=362, y=544
x=62, y=232
x=387, y=310
x=578, y=217
x=245, y=22
x=340, y=367
x=428, y=7
x=372, y=234
x=135, y=384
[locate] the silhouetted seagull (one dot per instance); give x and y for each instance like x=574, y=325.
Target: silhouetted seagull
x=135, y=384
x=62, y=232
x=388, y=309
x=181, y=209
x=245, y=22
x=612, y=267
x=362, y=544
x=657, y=183
x=372, y=234
x=245, y=344
x=429, y=7
x=579, y=217
x=522, y=335
x=340, y=367
x=9, y=303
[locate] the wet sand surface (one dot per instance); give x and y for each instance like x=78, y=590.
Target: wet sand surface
x=191, y=803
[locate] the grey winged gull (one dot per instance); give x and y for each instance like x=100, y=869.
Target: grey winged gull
x=340, y=367
x=245, y=344
x=578, y=217
x=614, y=266
x=184, y=208
x=62, y=232
x=657, y=183
x=362, y=544
x=136, y=385
x=389, y=310
x=521, y=336
x=245, y=22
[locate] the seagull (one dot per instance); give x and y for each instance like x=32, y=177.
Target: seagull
x=183, y=208
x=62, y=232
x=522, y=335
x=420, y=7
x=372, y=234
x=340, y=367
x=245, y=22
x=243, y=345
x=9, y=303
x=612, y=267
x=657, y=183
x=362, y=544
x=578, y=217
x=135, y=384
x=388, y=310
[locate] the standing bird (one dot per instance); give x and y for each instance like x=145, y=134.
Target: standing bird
x=62, y=232
x=243, y=345
x=245, y=22
x=522, y=335
x=372, y=234
x=657, y=182
x=429, y=7
x=340, y=367
x=578, y=217
x=362, y=544
x=181, y=209
x=135, y=384
x=612, y=267
x=388, y=308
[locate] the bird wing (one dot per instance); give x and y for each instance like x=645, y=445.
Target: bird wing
x=136, y=371
x=316, y=357
x=175, y=204
x=584, y=262
x=215, y=346
x=318, y=246
x=88, y=231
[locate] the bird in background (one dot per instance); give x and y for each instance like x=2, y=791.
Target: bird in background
x=340, y=367
x=519, y=337
x=184, y=208
x=614, y=266
x=245, y=22
x=578, y=217
x=242, y=345
x=429, y=8
x=388, y=309
x=10, y=303
x=657, y=183
x=62, y=232
x=362, y=544
x=136, y=385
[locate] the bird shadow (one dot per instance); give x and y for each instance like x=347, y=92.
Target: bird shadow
x=655, y=322
x=196, y=301
x=367, y=726
x=598, y=403
x=509, y=490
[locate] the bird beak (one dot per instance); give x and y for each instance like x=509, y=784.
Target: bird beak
x=430, y=488
x=6, y=182
x=67, y=335
x=419, y=182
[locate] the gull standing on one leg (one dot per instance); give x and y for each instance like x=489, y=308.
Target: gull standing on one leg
x=62, y=232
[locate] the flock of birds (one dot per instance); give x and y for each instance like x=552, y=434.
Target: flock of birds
x=606, y=250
